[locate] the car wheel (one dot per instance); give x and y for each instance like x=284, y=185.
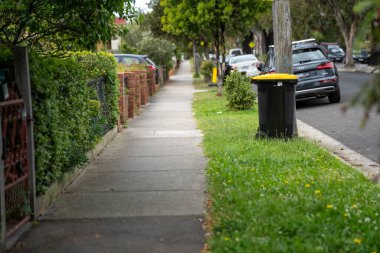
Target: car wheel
x=334, y=97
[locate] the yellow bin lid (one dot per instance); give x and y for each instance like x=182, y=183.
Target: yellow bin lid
x=275, y=77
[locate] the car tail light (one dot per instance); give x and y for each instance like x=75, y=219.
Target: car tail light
x=327, y=65
x=151, y=67
x=332, y=80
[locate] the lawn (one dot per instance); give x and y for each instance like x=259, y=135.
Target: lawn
x=280, y=196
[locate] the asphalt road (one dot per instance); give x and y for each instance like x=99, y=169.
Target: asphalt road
x=345, y=126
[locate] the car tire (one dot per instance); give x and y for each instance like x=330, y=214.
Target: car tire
x=334, y=97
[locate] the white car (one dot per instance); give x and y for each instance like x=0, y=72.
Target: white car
x=246, y=64
x=236, y=51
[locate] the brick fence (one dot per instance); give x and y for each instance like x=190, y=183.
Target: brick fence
x=135, y=88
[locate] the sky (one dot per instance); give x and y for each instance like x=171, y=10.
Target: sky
x=142, y=4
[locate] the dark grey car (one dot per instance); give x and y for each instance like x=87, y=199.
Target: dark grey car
x=130, y=59
x=317, y=74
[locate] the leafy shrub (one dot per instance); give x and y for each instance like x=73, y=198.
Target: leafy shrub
x=159, y=50
x=102, y=64
x=138, y=41
x=239, y=92
x=67, y=117
x=206, y=69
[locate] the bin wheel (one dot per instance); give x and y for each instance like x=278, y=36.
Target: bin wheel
x=334, y=97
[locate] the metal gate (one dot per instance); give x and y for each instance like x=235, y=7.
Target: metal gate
x=17, y=183
x=14, y=158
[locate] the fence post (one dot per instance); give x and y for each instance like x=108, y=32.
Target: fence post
x=21, y=63
x=2, y=196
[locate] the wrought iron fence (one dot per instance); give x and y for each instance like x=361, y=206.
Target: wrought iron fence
x=99, y=85
x=14, y=160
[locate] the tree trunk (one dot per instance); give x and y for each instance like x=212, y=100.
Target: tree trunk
x=220, y=64
x=282, y=30
x=347, y=32
x=207, y=53
x=248, y=39
x=260, y=45
x=350, y=44
x=196, y=61
x=217, y=61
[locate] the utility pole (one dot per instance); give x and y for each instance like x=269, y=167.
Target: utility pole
x=282, y=31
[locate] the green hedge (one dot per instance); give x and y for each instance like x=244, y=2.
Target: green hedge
x=67, y=116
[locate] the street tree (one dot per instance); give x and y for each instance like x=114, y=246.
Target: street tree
x=61, y=24
x=225, y=17
x=152, y=22
x=347, y=20
x=179, y=19
x=211, y=21
x=369, y=96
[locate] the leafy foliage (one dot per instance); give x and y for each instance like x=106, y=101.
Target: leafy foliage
x=131, y=39
x=67, y=116
x=369, y=96
x=102, y=64
x=206, y=69
x=210, y=20
x=140, y=41
x=313, y=22
x=239, y=92
x=61, y=24
x=160, y=51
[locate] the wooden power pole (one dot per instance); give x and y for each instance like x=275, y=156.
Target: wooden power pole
x=282, y=31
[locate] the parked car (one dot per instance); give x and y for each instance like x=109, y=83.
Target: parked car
x=226, y=59
x=236, y=51
x=130, y=59
x=317, y=74
x=333, y=51
x=246, y=64
x=361, y=56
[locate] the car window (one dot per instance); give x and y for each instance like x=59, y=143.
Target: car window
x=235, y=52
x=307, y=55
x=149, y=61
x=332, y=46
x=243, y=58
x=127, y=60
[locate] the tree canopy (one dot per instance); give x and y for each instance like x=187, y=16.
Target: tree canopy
x=210, y=20
x=59, y=24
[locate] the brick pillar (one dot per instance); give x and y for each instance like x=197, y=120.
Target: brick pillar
x=131, y=84
x=123, y=103
x=137, y=91
x=143, y=86
x=151, y=81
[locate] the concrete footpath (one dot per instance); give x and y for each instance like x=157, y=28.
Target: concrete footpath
x=144, y=193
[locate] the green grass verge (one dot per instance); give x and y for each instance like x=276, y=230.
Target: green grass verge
x=200, y=84
x=281, y=196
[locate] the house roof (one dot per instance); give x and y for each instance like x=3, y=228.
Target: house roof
x=120, y=21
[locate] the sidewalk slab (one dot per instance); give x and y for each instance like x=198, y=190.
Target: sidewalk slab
x=144, y=193
x=159, y=163
x=170, y=234
x=95, y=205
x=169, y=180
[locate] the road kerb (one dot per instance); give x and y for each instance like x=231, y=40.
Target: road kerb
x=368, y=167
